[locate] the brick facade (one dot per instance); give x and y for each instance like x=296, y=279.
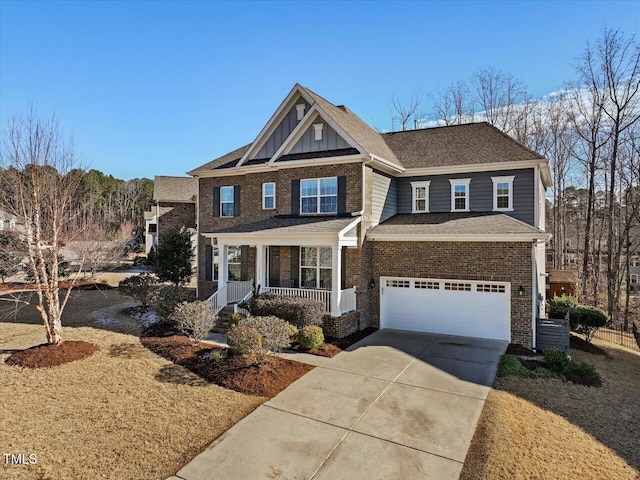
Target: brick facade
x=180, y=215
x=497, y=261
x=251, y=202
x=342, y=326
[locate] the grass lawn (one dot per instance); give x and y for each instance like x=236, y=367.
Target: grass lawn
x=122, y=413
x=550, y=429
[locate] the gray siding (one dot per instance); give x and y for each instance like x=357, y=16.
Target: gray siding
x=383, y=197
x=281, y=132
x=330, y=140
x=481, y=190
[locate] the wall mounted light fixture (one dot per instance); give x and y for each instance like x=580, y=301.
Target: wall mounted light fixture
x=520, y=290
x=372, y=283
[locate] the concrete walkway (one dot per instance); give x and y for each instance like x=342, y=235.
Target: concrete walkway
x=396, y=405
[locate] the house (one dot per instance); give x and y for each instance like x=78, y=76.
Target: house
x=11, y=222
x=174, y=207
x=438, y=230
x=562, y=282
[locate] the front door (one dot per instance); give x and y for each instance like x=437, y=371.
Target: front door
x=274, y=266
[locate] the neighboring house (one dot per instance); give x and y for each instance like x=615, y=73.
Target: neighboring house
x=634, y=274
x=10, y=222
x=438, y=230
x=174, y=207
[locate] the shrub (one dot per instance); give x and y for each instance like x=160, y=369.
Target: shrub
x=244, y=340
x=274, y=331
x=194, y=319
x=139, y=287
x=236, y=318
x=558, y=361
x=583, y=373
x=293, y=330
x=587, y=320
x=511, y=365
x=166, y=298
x=310, y=337
x=299, y=311
x=172, y=262
x=559, y=306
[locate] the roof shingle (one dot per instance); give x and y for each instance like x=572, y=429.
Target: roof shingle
x=176, y=189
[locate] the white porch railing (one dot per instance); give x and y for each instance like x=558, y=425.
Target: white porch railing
x=244, y=311
x=231, y=292
x=219, y=299
x=323, y=296
x=347, y=300
x=238, y=290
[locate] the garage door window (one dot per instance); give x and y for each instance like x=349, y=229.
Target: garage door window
x=427, y=285
x=461, y=287
x=398, y=283
x=489, y=288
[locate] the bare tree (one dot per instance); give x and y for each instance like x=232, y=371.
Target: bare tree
x=402, y=113
x=41, y=179
x=454, y=105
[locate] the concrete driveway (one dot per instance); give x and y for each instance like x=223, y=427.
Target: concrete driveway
x=396, y=405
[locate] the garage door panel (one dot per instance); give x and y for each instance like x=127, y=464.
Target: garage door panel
x=479, y=309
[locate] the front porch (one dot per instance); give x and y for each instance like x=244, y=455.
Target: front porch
x=304, y=257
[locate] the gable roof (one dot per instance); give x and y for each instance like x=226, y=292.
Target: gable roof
x=466, y=144
x=174, y=189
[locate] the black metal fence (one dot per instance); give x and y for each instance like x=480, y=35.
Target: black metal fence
x=616, y=334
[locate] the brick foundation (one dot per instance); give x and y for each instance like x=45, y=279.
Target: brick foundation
x=341, y=326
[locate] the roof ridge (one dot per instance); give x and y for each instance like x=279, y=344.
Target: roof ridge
x=436, y=127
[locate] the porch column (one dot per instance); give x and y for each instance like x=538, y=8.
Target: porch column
x=261, y=266
x=223, y=273
x=336, y=280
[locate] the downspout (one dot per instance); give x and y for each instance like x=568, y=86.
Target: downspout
x=198, y=241
x=534, y=293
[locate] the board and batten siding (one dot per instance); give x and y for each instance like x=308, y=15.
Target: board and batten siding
x=383, y=197
x=282, y=131
x=330, y=140
x=481, y=191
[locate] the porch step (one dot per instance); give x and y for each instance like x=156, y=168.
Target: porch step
x=222, y=325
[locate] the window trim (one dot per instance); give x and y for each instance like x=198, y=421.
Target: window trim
x=460, y=181
x=414, y=186
x=229, y=262
x=317, y=267
x=215, y=263
x=318, y=196
x=264, y=196
x=232, y=202
x=496, y=181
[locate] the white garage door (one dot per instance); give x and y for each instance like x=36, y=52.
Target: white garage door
x=452, y=307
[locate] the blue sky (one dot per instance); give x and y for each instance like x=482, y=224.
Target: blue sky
x=158, y=88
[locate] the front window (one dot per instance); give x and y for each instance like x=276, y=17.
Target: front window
x=460, y=195
x=215, y=261
x=315, y=267
x=268, y=196
x=502, y=193
x=634, y=279
x=420, y=197
x=226, y=201
x=234, y=261
x=319, y=195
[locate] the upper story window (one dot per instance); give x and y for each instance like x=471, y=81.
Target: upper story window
x=226, y=201
x=420, y=197
x=460, y=194
x=503, y=193
x=268, y=196
x=319, y=195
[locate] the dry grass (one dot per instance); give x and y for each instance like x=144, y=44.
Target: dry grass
x=548, y=429
x=122, y=413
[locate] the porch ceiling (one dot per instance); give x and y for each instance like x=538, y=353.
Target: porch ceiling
x=291, y=231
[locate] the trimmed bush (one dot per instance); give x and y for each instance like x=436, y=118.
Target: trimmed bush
x=244, y=340
x=166, y=298
x=139, y=287
x=274, y=331
x=194, y=319
x=558, y=361
x=587, y=320
x=236, y=318
x=559, y=306
x=293, y=330
x=583, y=373
x=299, y=311
x=310, y=337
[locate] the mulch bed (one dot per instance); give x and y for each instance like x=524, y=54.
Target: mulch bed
x=580, y=344
x=264, y=376
x=349, y=340
x=45, y=356
x=517, y=349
